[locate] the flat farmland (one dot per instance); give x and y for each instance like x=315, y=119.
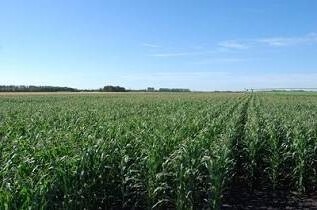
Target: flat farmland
x=158, y=150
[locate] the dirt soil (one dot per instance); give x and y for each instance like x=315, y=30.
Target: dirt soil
x=266, y=199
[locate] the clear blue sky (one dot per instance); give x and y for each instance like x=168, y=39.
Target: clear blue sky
x=197, y=44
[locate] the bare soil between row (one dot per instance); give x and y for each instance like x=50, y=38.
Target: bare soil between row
x=268, y=199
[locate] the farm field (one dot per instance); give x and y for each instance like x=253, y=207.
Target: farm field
x=158, y=150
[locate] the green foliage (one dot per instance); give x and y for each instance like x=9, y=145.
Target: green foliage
x=130, y=150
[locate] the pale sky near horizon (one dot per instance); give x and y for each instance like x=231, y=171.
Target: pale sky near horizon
x=201, y=45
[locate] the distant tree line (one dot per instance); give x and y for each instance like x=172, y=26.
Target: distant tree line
x=31, y=88
x=173, y=90
x=110, y=88
x=107, y=88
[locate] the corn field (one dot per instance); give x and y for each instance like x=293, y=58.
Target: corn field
x=153, y=151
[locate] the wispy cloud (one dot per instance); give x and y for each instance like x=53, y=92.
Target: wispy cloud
x=171, y=54
x=228, y=46
x=177, y=76
x=289, y=41
x=233, y=44
x=281, y=41
x=179, y=54
x=150, y=45
x=220, y=60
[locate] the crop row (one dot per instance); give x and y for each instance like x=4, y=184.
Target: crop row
x=179, y=151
